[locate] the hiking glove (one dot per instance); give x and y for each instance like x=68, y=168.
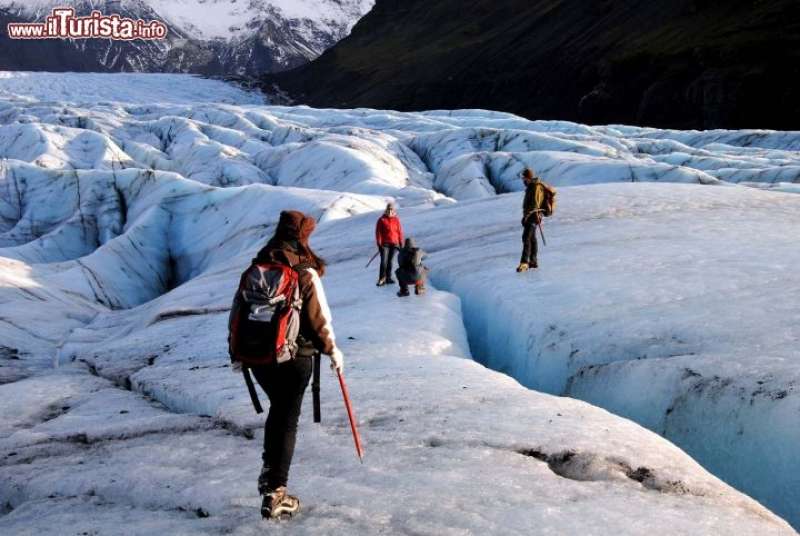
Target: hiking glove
x=337, y=360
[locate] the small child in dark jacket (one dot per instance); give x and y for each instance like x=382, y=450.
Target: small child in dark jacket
x=410, y=269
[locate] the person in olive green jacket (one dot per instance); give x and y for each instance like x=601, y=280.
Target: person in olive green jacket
x=532, y=213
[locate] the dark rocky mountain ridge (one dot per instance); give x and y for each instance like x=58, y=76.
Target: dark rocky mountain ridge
x=674, y=64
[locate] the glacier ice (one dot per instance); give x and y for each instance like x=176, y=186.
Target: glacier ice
x=125, y=222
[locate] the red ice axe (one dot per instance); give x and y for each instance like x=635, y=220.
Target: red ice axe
x=351, y=416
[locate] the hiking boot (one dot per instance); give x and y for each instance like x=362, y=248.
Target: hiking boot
x=523, y=267
x=380, y=282
x=277, y=503
x=390, y=281
x=403, y=292
x=534, y=264
x=419, y=289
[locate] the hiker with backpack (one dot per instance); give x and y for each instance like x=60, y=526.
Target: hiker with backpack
x=410, y=270
x=539, y=202
x=388, y=237
x=279, y=320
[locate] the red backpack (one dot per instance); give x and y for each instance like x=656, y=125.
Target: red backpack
x=265, y=317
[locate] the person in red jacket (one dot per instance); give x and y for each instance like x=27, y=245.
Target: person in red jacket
x=389, y=238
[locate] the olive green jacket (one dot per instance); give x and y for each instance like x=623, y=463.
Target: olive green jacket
x=534, y=199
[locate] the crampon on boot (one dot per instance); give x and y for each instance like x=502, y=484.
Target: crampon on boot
x=523, y=267
x=279, y=504
x=403, y=292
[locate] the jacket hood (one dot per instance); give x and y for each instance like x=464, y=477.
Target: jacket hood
x=279, y=252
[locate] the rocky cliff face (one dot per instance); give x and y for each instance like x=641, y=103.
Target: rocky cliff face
x=677, y=63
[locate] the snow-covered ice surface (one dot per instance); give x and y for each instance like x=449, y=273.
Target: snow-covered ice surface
x=94, y=90
x=675, y=306
x=124, y=225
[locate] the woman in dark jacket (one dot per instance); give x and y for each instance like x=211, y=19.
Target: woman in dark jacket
x=410, y=269
x=285, y=383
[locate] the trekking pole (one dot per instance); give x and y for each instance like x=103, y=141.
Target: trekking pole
x=541, y=230
x=373, y=258
x=315, y=389
x=351, y=416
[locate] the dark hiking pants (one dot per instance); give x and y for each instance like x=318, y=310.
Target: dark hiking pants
x=530, y=248
x=409, y=276
x=285, y=385
x=387, y=259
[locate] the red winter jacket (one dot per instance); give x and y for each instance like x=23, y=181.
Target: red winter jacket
x=388, y=231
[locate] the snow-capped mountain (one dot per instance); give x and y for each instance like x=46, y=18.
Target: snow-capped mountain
x=206, y=36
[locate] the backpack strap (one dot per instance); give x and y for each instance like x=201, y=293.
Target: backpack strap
x=315, y=388
x=252, y=390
